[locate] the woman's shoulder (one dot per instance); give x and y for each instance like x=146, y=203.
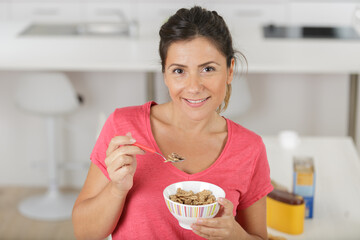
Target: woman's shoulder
x=130, y=118
x=241, y=133
x=132, y=111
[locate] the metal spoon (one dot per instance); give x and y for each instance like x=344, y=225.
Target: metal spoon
x=173, y=157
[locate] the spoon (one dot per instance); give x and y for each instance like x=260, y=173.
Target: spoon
x=173, y=157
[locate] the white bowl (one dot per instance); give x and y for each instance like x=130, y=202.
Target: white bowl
x=187, y=214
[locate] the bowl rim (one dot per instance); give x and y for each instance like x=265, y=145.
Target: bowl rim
x=204, y=205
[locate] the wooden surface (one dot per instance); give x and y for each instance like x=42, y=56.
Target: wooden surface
x=14, y=226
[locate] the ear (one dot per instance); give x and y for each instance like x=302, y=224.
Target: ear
x=231, y=71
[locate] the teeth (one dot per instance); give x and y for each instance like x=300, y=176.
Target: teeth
x=196, y=101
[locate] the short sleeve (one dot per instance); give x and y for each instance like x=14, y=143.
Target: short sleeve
x=260, y=182
x=98, y=153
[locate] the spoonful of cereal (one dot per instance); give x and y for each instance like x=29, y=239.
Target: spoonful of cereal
x=173, y=157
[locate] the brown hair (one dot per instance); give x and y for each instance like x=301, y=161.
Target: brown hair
x=187, y=24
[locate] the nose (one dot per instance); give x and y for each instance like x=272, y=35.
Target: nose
x=194, y=83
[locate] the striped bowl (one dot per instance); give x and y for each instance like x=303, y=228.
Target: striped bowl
x=187, y=214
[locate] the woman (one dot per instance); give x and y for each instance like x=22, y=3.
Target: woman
x=122, y=194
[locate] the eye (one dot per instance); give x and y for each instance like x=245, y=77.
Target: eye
x=178, y=71
x=209, y=69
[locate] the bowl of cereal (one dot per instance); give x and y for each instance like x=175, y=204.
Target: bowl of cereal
x=190, y=200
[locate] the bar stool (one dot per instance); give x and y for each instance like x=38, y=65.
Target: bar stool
x=49, y=95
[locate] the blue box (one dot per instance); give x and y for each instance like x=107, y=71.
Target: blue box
x=304, y=182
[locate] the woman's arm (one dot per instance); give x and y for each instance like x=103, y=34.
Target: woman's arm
x=249, y=223
x=96, y=210
x=100, y=203
x=253, y=219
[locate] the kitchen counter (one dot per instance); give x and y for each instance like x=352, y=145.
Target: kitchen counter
x=337, y=188
x=141, y=54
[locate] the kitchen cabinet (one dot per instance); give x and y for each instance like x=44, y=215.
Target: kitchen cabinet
x=237, y=15
x=109, y=11
x=3, y=10
x=242, y=14
x=152, y=15
x=39, y=11
x=321, y=13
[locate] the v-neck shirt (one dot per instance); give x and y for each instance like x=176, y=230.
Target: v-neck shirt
x=241, y=169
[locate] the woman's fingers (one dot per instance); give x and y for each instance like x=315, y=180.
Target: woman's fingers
x=216, y=222
x=123, y=171
x=121, y=161
x=206, y=236
x=228, y=207
x=117, y=141
x=123, y=150
x=218, y=227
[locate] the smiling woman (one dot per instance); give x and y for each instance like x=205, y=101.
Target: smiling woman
x=124, y=184
x=197, y=75
x=208, y=25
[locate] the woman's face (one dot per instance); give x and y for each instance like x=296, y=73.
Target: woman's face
x=196, y=76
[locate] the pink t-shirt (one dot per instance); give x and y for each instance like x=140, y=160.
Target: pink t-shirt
x=242, y=170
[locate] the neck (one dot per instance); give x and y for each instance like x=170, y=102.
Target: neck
x=212, y=123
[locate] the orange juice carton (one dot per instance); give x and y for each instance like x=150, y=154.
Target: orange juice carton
x=304, y=182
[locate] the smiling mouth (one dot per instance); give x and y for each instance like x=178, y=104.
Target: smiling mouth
x=196, y=101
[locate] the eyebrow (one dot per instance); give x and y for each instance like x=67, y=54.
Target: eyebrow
x=201, y=65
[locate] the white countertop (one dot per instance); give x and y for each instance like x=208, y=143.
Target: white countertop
x=337, y=189
x=141, y=54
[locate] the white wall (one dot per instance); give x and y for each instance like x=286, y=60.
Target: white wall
x=309, y=104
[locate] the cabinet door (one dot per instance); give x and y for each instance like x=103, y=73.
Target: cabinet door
x=245, y=19
x=321, y=14
x=152, y=15
x=244, y=14
x=45, y=11
x=109, y=11
x=3, y=11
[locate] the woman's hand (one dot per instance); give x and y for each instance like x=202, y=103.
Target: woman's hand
x=223, y=226
x=121, y=163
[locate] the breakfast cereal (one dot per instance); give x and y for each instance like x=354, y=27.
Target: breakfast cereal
x=174, y=157
x=191, y=198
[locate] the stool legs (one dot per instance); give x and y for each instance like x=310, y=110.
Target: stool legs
x=53, y=205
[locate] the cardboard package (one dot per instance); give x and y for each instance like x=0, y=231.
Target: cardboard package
x=304, y=182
